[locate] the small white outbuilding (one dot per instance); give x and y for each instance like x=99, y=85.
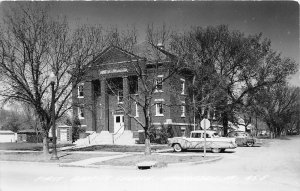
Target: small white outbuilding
x=7, y=136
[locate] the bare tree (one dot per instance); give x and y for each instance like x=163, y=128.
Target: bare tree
x=159, y=62
x=278, y=107
x=32, y=46
x=236, y=65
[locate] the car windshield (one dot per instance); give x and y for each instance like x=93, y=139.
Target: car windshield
x=238, y=134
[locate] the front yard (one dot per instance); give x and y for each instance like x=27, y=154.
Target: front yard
x=27, y=146
x=64, y=157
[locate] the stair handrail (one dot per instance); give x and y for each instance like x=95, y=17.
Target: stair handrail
x=93, y=138
x=113, y=134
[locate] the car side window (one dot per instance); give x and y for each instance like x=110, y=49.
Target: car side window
x=196, y=135
x=208, y=135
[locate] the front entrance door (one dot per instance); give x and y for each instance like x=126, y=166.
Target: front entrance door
x=118, y=123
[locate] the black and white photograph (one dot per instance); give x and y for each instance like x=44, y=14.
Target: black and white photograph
x=149, y=95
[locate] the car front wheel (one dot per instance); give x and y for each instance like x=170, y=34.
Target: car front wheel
x=177, y=148
x=249, y=144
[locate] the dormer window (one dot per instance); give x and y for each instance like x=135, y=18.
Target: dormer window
x=80, y=91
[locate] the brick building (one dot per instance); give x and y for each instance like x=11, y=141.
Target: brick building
x=101, y=100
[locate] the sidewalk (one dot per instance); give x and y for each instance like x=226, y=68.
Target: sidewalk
x=91, y=161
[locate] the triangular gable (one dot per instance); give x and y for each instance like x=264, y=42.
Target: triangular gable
x=114, y=54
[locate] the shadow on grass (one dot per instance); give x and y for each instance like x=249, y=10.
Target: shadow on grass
x=245, y=146
x=119, y=148
x=64, y=155
x=283, y=138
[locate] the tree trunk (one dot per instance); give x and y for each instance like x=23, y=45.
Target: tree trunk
x=45, y=139
x=147, y=145
x=225, y=123
x=45, y=145
x=147, y=137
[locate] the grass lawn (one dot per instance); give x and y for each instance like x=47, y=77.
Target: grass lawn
x=64, y=157
x=132, y=160
x=120, y=148
x=27, y=146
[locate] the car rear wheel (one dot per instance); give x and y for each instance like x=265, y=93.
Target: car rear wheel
x=177, y=148
x=216, y=150
x=249, y=144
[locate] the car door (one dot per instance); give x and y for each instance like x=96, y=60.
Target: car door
x=196, y=141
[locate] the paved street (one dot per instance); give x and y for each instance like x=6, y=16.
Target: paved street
x=274, y=166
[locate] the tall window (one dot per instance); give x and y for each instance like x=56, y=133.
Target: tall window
x=182, y=85
x=159, y=109
x=80, y=113
x=136, y=110
x=80, y=91
x=120, y=97
x=183, y=109
x=159, y=83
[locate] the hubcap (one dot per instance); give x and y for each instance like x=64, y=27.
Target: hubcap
x=177, y=147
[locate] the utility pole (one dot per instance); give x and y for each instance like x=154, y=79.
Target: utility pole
x=194, y=78
x=54, y=151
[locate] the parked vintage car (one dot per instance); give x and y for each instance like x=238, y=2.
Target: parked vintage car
x=214, y=142
x=243, y=138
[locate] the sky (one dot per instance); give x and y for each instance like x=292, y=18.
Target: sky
x=278, y=21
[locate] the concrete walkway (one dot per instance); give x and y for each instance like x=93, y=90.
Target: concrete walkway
x=90, y=161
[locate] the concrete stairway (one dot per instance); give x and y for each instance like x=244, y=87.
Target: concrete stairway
x=105, y=137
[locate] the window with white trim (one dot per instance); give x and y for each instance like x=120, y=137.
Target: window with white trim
x=159, y=83
x=159, y=109
x=80, y=113
x=183, y=109
x=120, y=97
x=182, y=85
x=136, y=109
x=80, y=91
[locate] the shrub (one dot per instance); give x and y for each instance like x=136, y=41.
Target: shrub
x=159, y=134
x=76, y=129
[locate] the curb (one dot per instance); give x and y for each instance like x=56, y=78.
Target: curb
x=196, y=163
x=98, y=166
x=163, y=150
